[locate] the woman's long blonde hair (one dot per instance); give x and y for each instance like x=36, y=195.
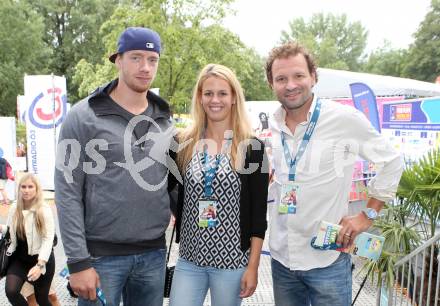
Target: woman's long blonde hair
x=37, y=204
x=241, y=126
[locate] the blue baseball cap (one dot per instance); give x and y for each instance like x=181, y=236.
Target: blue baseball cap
x=137, y=38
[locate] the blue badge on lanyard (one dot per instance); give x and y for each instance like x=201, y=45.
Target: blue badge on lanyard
x=290, y=189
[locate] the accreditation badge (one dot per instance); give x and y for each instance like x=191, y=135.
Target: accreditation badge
x=288, y=195
x=208, y=212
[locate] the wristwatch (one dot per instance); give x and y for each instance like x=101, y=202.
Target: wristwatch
x=371, y=213
x=41, y=266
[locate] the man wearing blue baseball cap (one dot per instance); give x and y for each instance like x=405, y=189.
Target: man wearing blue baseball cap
x=113, y=203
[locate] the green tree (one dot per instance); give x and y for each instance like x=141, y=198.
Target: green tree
x=191, y=38
x=424, y=53
x=335, y=42
x=22, y=51
x=72, y=32
x=387, y=61
x=253, y=79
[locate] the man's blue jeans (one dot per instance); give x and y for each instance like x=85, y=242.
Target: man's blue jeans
x=322, y=286
x=138, y=278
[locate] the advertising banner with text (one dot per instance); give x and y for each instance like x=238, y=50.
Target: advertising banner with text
x=45, y=110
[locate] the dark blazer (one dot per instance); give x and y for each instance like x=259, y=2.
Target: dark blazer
x=253, y=197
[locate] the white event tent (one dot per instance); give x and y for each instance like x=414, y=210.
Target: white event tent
x=335, y=83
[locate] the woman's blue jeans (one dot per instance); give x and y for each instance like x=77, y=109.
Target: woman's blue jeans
x=191, y=283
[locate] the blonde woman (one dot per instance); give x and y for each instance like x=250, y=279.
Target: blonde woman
x=32, y=229
x=224, y=171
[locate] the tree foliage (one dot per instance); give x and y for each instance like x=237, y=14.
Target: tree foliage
x=22, y=51
x=335, y=42
x=71, y=30
x=424, y=53
x=387, y=61
x=191, y=38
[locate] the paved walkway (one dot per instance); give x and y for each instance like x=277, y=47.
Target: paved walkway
x=262, y=296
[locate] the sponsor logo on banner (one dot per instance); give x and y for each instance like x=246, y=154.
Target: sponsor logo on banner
x=400, y=112
x=42, y=112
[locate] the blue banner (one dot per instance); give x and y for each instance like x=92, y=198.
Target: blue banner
x=365, y=101
x=422, y=114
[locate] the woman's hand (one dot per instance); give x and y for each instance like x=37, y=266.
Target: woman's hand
x=34, y=273
x=249, y=282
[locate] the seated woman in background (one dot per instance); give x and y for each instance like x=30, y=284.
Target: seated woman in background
x=32, y=229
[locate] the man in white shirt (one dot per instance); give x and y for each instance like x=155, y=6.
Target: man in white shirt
x=315, y=144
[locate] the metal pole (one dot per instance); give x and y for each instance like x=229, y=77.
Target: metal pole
x=378, y=295
x=390, y=295
x=359, y=291
x=53, y=115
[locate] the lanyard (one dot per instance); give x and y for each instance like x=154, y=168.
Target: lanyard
x=210, y=172
x=308, y=134
x=100, y=296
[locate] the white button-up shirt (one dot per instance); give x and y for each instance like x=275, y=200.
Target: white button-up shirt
x=324, y=175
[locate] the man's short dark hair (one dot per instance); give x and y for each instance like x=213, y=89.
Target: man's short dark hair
x=284, y=51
